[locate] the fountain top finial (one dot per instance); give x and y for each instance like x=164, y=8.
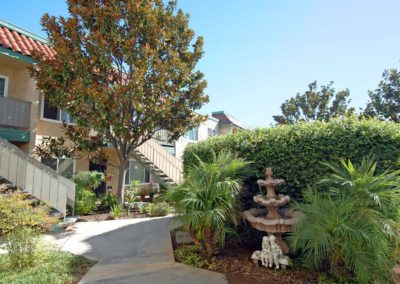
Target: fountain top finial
x=268, y=173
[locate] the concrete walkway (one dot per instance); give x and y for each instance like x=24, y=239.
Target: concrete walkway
x=135, y=251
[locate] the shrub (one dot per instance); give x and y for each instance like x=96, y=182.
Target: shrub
x=348, y=227
x=108, y=200
x=85, y=201
x=87, y=182
x=158, y=209
x=89, y=179
x=17, y=212
x=295, y=151
x=206, y=202
x=20, y=224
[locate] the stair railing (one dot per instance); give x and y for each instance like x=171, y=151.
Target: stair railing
x=35, y=178
x=162, y=159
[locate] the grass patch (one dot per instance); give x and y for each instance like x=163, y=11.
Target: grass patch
x=50, y=266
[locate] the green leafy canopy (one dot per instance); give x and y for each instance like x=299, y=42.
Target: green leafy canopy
x=315, y=104
x=123, y=70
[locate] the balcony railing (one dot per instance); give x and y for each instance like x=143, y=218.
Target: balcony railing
x=14, y=113
x=161, y=136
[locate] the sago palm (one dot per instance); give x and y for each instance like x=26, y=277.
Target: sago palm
x=347, y=229
x=207, y=201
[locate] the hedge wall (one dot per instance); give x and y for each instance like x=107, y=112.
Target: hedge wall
x=295, y=152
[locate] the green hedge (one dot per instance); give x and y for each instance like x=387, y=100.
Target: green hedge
x=295, y=152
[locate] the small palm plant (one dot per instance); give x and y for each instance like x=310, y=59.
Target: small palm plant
x=349, y=228
x=207, y=201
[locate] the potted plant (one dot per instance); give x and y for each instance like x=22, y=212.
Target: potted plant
x=142, y=192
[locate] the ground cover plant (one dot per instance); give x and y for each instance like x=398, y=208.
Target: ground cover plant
x=49, y=266
x=349, y=226
x=207, y=201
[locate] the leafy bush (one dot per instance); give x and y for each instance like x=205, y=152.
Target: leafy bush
x=15, y=212
x=206, y=202
x=87, y=182
x=85, y=201
x=158, y=209
x=20, y=224
x=349, y=226
x=295, y=151
x=108, y=200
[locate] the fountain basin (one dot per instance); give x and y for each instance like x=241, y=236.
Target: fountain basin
x=278, y=201
x=270, y=182
x=256, y=217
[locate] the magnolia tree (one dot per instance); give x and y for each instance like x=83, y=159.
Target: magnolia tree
x=123, y=70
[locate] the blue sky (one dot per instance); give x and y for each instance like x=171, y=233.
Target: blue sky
x=258, y=53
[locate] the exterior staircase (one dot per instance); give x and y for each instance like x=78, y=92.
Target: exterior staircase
x=34, y=178
x=160, y=162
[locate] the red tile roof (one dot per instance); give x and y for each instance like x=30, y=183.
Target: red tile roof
x=18, y=40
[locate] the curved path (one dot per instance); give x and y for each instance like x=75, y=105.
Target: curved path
x=134, y=251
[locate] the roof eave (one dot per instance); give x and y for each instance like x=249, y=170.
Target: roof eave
x=16, y=55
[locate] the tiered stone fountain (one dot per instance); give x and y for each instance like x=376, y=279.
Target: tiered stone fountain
x=273, y=219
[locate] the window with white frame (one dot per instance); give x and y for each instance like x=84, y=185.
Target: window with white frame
x=54, y=113
x=192, y=134
x=3, y=86
x=64, y=167
x=137, y=171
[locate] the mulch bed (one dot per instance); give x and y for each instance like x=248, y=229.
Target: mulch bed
x=236, y=264
x=240, y=269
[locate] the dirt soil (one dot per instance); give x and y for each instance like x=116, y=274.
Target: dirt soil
x=240, y=269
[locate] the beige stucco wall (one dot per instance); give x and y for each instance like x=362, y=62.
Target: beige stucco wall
x=22, y=87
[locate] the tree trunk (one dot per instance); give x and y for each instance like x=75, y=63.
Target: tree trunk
x=209, y=244
x=122, y=170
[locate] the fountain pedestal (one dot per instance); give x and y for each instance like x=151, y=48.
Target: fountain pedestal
x=273, y=220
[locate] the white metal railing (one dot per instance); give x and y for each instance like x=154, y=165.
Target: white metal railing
x=162, y=159
x=35, y=178
x=162, y=136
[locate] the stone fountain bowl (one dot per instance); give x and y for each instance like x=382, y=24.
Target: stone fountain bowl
x=270, y=182
x=278, y=201
x=256, y=217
